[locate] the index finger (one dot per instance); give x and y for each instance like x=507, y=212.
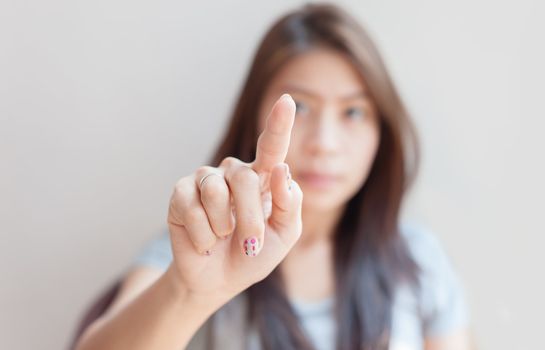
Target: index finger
x=273, y=143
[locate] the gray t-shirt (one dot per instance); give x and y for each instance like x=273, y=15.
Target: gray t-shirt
x=438, y=308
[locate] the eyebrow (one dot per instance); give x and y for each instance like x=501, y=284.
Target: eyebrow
x=358, y=94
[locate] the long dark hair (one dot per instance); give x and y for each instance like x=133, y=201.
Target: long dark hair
x=370, y=257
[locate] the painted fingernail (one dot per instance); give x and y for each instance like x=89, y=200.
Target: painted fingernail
x=288, y=176
x=251, y=246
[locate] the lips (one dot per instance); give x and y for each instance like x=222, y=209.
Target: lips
x=318, y=180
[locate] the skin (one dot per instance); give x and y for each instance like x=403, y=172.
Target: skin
x=329, y=126
x=155, y=310
x=335, y=133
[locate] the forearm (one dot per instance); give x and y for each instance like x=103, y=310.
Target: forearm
x=164, y=316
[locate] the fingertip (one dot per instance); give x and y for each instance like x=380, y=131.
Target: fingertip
x=290, y=102
x=282, y=174
x=287, y=97
x=287, y=202
x=296, y=190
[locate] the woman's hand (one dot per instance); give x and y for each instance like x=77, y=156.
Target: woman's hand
x=231, y=226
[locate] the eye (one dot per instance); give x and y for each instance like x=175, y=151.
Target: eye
x=355, y=112
x=300, y=107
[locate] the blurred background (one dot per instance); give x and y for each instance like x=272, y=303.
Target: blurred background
x=105, y=104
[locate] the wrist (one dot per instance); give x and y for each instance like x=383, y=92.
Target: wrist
x=183, y=295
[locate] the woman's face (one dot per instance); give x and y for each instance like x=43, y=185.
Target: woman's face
x=336, y=131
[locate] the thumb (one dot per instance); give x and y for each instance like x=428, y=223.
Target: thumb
x=287, y=199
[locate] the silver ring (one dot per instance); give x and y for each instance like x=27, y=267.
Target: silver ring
x=204, y=178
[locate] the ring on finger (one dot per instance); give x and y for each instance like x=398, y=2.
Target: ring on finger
x=201, y=183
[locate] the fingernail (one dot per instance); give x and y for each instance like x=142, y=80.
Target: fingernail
x=286, y=97
x=251, y=246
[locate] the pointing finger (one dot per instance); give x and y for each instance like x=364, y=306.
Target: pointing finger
x=273, y=143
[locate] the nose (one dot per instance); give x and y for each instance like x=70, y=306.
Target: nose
x=323, y=136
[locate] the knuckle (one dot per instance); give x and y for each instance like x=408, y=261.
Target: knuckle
x=173, y=216
x=246, y=175
x=203, y=170
x=215, y=190
x=269, y=150
x=192, y=215
x=228, y=162
x=174, y=205
x=177, y=204
x=271, y=144
x=182, y=186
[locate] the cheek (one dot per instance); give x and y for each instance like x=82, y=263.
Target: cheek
x=362, y=154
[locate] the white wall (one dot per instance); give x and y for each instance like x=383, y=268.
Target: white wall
x=105, y=104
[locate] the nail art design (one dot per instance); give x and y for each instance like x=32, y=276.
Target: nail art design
x=288, y=177
x=251, y=246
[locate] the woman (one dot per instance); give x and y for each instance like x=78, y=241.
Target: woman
x=247, y=263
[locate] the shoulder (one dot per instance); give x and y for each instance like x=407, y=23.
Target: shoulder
x=441, y=295
x=424, y=246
